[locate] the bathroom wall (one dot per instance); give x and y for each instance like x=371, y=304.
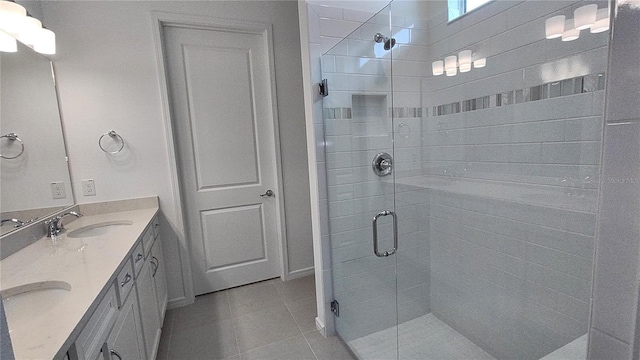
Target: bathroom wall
x=108, y=79
x=615, y=331
x=518, y=146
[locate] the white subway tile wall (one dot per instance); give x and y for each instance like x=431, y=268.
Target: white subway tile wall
x=495, y=172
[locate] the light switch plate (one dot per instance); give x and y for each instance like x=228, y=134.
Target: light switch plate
x=58, y=191
x=88, y=187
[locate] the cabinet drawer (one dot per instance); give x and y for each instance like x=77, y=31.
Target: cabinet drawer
x=138, y=258
x=147, y=240
x=124, y=282
x=90, y=340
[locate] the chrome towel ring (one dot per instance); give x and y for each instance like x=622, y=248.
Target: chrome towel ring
x=13, y=137
x=116, y=137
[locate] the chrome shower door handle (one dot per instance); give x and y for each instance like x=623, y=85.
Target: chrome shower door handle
x=375, y=233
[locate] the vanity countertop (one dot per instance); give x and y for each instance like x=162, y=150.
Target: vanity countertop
x=87, y=264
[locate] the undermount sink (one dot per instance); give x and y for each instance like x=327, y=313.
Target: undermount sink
x=98, y=229
x=22, y=303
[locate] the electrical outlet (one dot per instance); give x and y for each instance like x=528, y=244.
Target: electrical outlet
x=58, y=191
x=88, y=187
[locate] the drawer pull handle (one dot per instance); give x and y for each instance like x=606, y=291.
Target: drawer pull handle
x=138, y=257
x=127, y=278
x=156, y=264
x=113, y=352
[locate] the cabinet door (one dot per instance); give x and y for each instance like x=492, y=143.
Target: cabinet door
x=159, y=279
x=125, y=340
x=148, y=309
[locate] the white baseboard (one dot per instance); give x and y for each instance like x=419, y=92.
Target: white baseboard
x=178, y=303
x=320, y=326
x=300, y=273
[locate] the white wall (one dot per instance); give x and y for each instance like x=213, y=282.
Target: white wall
x=108, y=79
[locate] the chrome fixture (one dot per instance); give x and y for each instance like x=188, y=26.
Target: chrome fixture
x=382, y=164
x=115, y=137
x=388, y=42
x=268, y=193
x=375, y=233
x=13, y=137
x=55, y=226
x=18, y=223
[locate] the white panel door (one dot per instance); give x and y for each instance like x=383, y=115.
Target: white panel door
x=220, y=86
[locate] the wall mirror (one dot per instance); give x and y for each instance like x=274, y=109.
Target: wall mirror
x=34, y=172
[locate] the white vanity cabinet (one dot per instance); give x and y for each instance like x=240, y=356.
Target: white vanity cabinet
x=159, y=278
x=149, y=308
x=127, y=322
x=126, y=339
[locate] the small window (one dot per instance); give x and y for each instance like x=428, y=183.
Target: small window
x=460, y=7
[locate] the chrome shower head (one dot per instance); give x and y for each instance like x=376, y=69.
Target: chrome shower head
x=388, y=42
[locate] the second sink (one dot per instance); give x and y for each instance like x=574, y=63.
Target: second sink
x=98, y=229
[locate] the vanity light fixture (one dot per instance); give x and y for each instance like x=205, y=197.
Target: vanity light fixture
x=7, y=42
x=554, y=26
x=570, y=32
x=464, y=60
x=602, y=21
x=480, y=63
x=585, y=16
x=16, y=22
x=437, y=67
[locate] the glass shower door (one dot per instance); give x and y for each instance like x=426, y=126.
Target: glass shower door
x=362, y=220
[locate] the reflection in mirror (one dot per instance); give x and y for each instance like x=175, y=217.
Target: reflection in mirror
x=34, y=176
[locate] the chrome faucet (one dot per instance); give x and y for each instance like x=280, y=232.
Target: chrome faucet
x=18, y=223
x=55, y=226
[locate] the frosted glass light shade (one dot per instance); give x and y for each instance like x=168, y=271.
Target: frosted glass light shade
x=480, y=63
x=45, y=42
x=585, y=16
x=450, y=63
x=7, y=43
x=554, y=26
x=452, y=72
x=570, y=33
x=602, y=21
x=29, y=30
x=437, y=67
x=11, y=15
x=464, y=60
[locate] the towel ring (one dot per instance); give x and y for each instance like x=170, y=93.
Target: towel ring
x=13, y=137
x=114, y=135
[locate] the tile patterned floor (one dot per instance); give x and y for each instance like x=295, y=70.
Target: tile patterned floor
x=423, y=338
x=267, y=320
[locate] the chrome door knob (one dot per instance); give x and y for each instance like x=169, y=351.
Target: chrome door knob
x=267, y=193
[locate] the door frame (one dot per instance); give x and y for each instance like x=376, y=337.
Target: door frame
x=159, y=20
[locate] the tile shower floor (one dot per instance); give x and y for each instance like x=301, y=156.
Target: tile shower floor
x=423, y=338
x=267, y=320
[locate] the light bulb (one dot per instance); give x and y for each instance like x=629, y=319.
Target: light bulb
x=437, y=67
x=29, y=29
x=554, y=26
x=464, y=60
x=45, y=42
x=585, y=16
x=450, y=63
x=480, y=63
x=7, y=42
x=570, y=33
x=11, y=15
x=602, y=21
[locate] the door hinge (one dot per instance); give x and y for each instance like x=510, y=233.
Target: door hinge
x=324, y=88
x=335, y=308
